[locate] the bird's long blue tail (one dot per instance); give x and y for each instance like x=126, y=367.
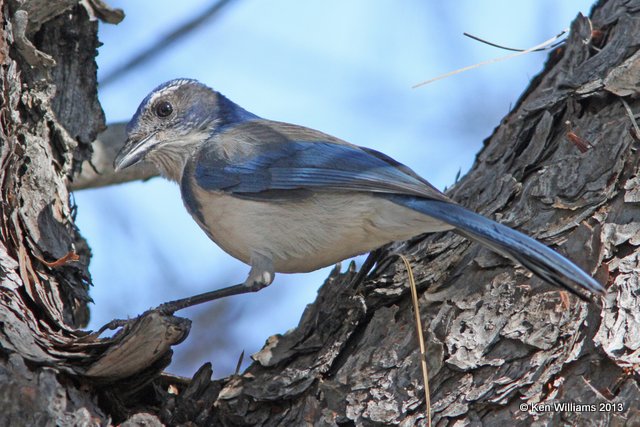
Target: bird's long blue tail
x=541, y=260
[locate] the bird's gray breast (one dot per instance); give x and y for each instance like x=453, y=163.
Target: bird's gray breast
x=302, y=234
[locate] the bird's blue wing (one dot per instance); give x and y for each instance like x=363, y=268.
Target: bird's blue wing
x=271, y=157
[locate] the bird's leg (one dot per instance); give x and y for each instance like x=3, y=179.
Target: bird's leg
x=260, y=276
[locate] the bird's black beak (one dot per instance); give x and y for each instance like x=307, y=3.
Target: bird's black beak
x=133, y=151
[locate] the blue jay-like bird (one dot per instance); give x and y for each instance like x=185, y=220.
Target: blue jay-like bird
x=285, y=198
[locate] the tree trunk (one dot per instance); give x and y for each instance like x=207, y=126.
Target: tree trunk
x=502, y=346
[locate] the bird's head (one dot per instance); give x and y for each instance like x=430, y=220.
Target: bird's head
x=171, y=122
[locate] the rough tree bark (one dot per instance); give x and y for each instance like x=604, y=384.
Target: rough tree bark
x=562, y=166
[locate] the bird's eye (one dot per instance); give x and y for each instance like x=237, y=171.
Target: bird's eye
x=163, y=109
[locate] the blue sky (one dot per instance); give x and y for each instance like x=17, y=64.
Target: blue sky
x=343, y=67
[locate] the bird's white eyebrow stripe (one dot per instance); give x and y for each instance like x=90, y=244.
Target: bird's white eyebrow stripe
x=160, y=94
x=170, y=88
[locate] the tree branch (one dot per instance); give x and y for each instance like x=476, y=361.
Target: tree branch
x=99, y=172
x=164, y=42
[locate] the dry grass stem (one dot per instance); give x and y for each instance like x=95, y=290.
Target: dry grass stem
x=494, y=60
x=423, y=352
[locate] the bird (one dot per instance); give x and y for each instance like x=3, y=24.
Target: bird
x=284, y=198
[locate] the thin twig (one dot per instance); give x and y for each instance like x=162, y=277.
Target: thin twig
x=164, y=42
x=423, y=351
x=476, y=38
x=632, y=118
x=492, y=61
x=67, y=258
x=239, y=364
